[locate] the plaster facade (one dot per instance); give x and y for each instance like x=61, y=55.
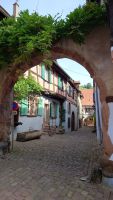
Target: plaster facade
x=59, y=96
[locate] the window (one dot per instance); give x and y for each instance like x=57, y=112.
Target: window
x=40, y=107
x=43, y=71
x=46, y=73
x=69, y=90
x=60, y=83
x=29, y=106
x=54, y=110
x=32, y=104
x=24, y=107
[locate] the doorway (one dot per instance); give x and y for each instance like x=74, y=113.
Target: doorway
x=46, y=113
x=72, y=121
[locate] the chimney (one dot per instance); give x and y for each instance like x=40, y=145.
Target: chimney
x=15, y=10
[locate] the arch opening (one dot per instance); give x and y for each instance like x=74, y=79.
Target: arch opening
x=90, y=55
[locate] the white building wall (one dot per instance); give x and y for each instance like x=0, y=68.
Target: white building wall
x=67, y=115
x=36, y=123
x=29, y=124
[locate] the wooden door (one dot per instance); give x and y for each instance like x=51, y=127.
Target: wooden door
x=72, y=121
x=46, y=114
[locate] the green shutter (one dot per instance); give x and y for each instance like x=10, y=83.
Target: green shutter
x=24, y=107
x=57, y=110
x=43, y=71
x=50, y=77
x=40, y=107
x=60, y=83
x=52, y=114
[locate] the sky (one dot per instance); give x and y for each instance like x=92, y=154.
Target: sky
x=63, y=7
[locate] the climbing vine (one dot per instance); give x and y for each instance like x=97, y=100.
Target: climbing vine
x=36, y=34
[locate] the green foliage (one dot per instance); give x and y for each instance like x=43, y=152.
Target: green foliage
x=36, y=34
x=86, y=86
x=29, y=34
x=81, y=22
x=26, y=86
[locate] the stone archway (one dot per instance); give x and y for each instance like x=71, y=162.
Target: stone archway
x=94, y=55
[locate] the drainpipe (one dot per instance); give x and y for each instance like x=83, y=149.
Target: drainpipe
x=15, y=10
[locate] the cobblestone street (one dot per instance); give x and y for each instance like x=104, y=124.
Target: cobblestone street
x=50, y=169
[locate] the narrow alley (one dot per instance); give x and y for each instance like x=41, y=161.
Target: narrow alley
x=50, y=169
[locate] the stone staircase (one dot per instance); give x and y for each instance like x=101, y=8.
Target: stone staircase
x=51, y=130
x=60, y=130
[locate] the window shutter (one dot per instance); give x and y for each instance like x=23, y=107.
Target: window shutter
x=43, y=71
x=59, y=82
x=40, y=107
x=57, y=110
x=52, y=113
x=24, y=107
x=50, y=77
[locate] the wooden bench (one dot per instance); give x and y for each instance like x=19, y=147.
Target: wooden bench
x=30, y=135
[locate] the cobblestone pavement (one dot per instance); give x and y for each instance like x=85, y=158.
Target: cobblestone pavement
x=50, y=169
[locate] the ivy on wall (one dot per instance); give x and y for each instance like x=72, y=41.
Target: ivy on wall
x=36, y=34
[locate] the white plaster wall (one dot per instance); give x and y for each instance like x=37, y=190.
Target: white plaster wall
x=51, y=87
x=36, y=123
x=73, y=109
x=29, y=124
x=34, y=69
x=55, y=79
x=40, y=81
x=34, y=76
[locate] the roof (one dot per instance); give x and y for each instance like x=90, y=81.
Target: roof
x=87, y=99
x=60, y=70
x=3, y=13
